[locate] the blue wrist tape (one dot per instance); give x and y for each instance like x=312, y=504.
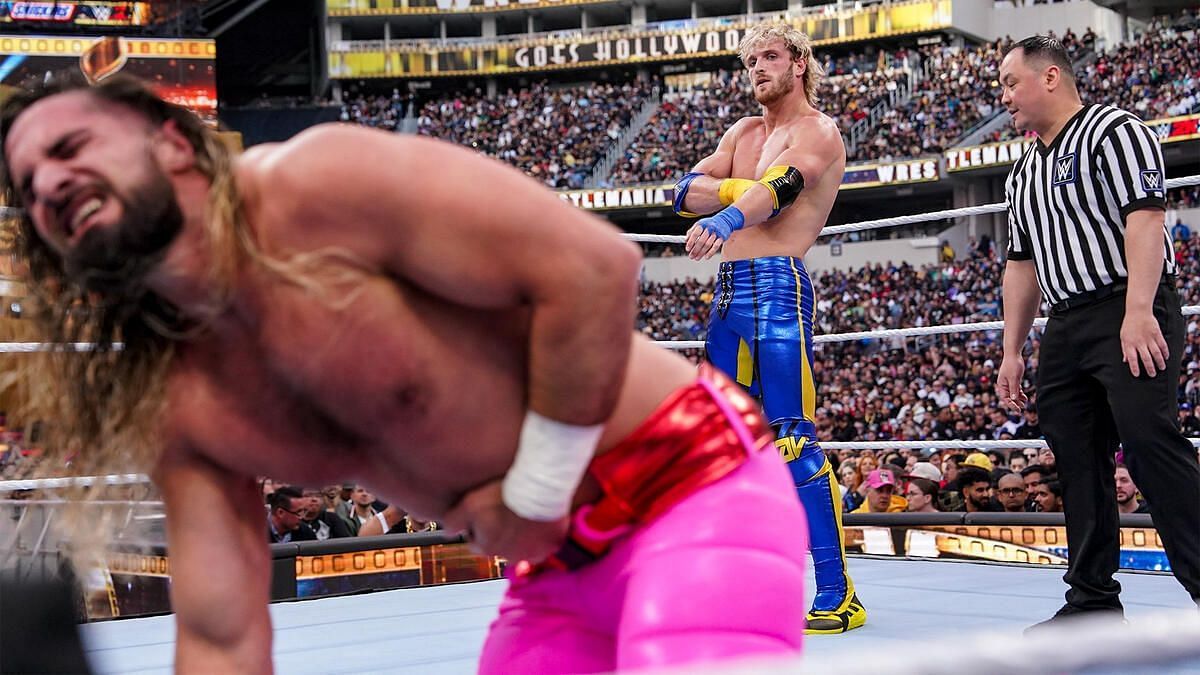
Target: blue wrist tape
x=724, y=222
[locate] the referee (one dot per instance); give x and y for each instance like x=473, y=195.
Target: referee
x=1086, y=213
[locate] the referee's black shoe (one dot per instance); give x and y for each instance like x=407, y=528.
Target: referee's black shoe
x=1069, y=613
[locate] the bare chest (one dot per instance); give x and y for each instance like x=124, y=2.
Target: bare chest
x=756, y=151
x=368, y=386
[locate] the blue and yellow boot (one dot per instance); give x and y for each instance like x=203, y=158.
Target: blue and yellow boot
x=835, y=607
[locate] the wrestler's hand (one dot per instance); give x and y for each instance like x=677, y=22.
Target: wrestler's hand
x=1008, y=384
x=493, y=529
x=702, y=244
x=1142, y=343
x=707, y=235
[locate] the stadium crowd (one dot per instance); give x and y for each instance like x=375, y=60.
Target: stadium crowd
x=554, y=134
x=959, y=90
x=557, y=134
x=376, y=110
x=687, y=127
x=689, y=124
x=927, y=388
x=1155, y=76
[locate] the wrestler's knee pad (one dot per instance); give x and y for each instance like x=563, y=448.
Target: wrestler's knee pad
x=822, y=501
x=740, y=600
x=804, y=458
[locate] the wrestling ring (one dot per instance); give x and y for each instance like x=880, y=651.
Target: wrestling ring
x=930, y=611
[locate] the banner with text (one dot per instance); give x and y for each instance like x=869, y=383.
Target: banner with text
x=76, y=13
x=878, y=174
x=919, y=170
x=664, y=42
x=967, y=158
x=397, y=7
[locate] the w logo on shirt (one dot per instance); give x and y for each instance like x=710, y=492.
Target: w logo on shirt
x=1064, y=169
x=1152, y=181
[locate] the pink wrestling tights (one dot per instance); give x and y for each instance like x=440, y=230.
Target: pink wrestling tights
x=717, y=576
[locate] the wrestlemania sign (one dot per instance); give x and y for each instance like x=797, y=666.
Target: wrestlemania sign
x=668, y=41
x=919, y=170
x=877, y=174
x=76, y=13
x=966, y=158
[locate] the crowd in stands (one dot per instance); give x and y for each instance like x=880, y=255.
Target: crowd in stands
x=1154, y=77
x=689, y=124
x=1020, y=481
x=554, y=134
x=558, y=133
x=686, y=128
x=379, y=111
x=934, y=387
x=295, y=514
x=957, y=89
x=930, y=388
x=960, y=90
x=1184, y=198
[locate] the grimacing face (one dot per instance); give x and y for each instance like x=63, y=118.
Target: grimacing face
x=773, y=72
x=87, y=176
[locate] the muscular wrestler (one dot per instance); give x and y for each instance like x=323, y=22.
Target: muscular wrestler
x=770, y=186
x=354, y=305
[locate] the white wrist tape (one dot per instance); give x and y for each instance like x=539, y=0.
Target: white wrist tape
x=551, y=460
x=382, y=522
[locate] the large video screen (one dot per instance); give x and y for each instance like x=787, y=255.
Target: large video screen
x=181, y=71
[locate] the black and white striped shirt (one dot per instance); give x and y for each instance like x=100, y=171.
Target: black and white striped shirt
x=1067, y=201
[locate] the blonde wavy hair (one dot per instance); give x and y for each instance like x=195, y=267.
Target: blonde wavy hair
x=102, y=410
x=797, y=43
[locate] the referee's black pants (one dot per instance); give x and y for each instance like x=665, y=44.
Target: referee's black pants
x=1088, y=401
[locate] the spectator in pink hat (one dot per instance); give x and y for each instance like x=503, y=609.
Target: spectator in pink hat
x=881, y=494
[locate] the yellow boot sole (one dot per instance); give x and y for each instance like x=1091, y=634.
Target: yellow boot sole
x=833, y=623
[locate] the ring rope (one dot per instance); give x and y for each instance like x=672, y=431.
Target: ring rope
x=126, y=479
x=897, y=220
x=30, y=347
x=74, y=481
x=878, y=334
x=954, y=444
x=883, y=333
